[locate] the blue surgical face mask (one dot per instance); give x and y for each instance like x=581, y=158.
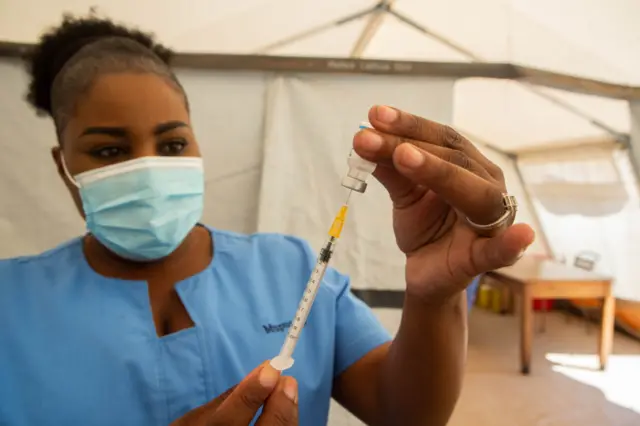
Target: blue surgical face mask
x=143, y=209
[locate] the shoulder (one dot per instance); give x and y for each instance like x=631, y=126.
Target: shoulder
x=275, y=255
x=26, y=268
x=261, y=243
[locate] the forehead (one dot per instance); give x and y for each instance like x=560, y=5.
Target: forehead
x=134, y=100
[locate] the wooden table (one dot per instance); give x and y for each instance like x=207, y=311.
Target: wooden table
x=534, y=278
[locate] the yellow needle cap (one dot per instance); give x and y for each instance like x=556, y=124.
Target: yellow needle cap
x=338, y=223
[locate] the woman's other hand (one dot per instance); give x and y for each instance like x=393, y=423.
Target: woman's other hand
x=238, y=406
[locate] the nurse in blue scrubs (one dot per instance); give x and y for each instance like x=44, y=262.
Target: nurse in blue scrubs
x=152, y=318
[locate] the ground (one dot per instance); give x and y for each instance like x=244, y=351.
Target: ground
x=564, y=388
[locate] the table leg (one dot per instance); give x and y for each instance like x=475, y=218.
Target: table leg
x=506, y=299
x=526, y=329
x=605, y=342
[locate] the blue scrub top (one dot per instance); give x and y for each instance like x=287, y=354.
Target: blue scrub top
x=79, y=348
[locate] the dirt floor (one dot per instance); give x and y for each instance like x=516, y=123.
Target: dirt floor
x=564, y=388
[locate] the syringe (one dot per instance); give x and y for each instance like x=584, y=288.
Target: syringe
x=359, y=171
x=284, y=360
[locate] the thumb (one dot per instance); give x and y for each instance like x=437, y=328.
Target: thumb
x=199, y=415
x=502, y=250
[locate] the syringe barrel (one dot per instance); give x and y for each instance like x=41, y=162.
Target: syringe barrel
x=288, y=347
x=308, y=297
x=285, y=359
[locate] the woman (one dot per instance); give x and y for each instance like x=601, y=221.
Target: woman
x=152, y=318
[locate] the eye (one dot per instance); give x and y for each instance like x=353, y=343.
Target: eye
x=172, y=147
x=108, y=152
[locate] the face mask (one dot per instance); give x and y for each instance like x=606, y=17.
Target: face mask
x=143, y=209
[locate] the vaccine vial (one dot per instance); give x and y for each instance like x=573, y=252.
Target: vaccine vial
x=359, y=169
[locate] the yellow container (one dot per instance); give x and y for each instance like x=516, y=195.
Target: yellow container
x=484, y=296
x=496, y=300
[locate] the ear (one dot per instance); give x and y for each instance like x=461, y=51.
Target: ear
x=56, y=154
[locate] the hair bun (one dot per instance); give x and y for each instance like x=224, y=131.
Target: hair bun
x=58, y=45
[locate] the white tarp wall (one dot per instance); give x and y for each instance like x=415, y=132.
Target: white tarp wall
x=275, y=150
x=587, y=201
x=544, y=34
x=305, y=159
x=36, y=211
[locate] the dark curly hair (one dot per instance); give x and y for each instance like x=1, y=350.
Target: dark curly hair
x=57, y=47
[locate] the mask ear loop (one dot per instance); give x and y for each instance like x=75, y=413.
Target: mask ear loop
x=66, y=172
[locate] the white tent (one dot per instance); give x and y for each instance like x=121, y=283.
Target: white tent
x=275, y=137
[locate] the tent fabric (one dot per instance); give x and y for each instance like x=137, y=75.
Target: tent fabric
x=634, y=113
x=516, y=187
x=539, y=33
x=595, y=199
x=36, y=211
x=612, y=233
x=269, y=114
x=515, y=117
x=577, y=184
x=305, y=160
x=274, y=147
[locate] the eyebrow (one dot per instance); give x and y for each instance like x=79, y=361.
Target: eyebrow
x=170, y=125
x=119, y=132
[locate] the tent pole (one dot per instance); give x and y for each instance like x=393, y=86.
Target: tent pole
x=484, y=143
x=375, y=20
x=527, y=195
x=534, y=212
x=576, y=111
x=316, y=30
x=475, y=58
x=443, y=40
x=633, y=145
x=633, y=158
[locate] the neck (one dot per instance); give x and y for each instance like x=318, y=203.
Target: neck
x=192, y=256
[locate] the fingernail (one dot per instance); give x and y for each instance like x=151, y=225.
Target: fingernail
x=269, y=377
x=411, y=157
x=386, y=114
x=291, y=390
x=371, y=141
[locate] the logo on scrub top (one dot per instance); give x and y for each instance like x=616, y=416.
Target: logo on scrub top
x=276, y=328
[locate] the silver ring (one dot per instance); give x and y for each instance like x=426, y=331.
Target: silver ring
x=503, y=222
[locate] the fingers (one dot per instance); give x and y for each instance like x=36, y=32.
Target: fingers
x=402, y=191
x=241, y=406
x=502, y=250
x=478, y=199
x=238, y=405
x=281, y=409
x=402, y=124
x=199, y=415
x=213, y=405
x=379, y=148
